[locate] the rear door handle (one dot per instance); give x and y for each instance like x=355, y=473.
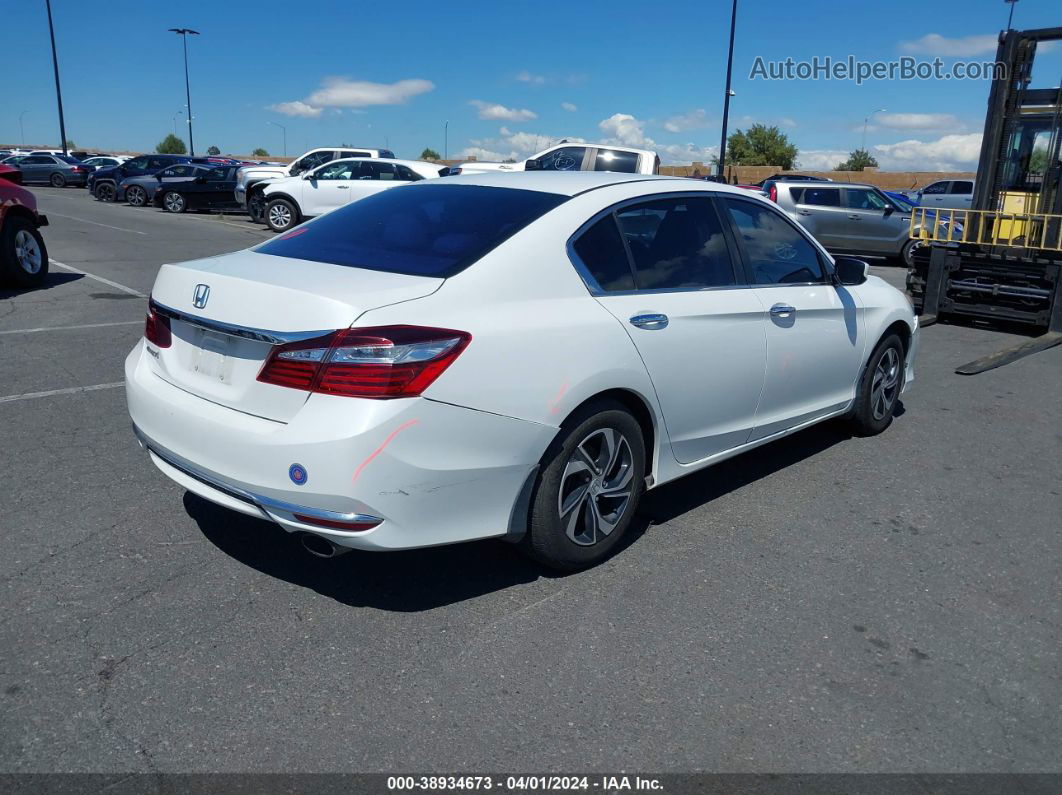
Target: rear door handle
x=803, y=212
x=853, y=217
x=649, y=321
x=343, y=187
x=782, y=310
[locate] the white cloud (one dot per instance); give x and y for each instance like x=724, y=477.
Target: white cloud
x=918, y=121
x=625, y=129
x=820, y=159
x=296, y=108
x=622, y=128
x=525, y=76
x=935, y=44
x=343, y=93
x=494, y=111
x=570, y=107
x=947, y=153
x=785, y=121
x=515, y=145
x=694, y=120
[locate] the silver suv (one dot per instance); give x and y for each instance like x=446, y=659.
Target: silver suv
x=851, y=219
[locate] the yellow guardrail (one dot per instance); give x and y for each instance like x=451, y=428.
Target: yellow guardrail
x=988, y=227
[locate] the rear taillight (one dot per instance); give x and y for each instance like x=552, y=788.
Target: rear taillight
x=78, y=169
x=380, y=362
x=157, y=328
x=773, y=193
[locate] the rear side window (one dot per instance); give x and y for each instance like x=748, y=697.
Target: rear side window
x=352, y=153
x=601, y=250
x=821, y=197
x=372, y=169
x=777, y=253
x=425, y=230
x=961, y=186
x=611, y=160
x=676, y=244
x=407, y=174
x=936, y=187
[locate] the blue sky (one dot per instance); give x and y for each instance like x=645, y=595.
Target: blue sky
x=510, y=77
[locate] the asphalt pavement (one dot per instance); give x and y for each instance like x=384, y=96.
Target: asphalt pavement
x=822, y=604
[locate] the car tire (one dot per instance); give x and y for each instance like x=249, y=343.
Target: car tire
x=57, y=180
x=281, y=215
x=588, y=488
x=104, y=191
x=136, y=196
x=256, y=208
x=879, y=388
x=23, y=255
x=907, y=253
x=174, y=202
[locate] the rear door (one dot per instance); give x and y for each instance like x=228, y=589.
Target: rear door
x=374, y=176
x=219, y=188
x=959, y=195
x=874, y=225
x=819, y=211
x=814, y=332
x=664, y=268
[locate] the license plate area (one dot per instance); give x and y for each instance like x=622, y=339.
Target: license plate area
x=212, y=356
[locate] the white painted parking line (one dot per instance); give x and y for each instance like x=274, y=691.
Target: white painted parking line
x=73, y=390
x=96, y=223
x=73, y=328
x=108, y=282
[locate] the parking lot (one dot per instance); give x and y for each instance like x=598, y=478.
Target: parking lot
x=824, y=603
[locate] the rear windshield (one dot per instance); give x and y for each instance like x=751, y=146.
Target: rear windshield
x=426, y=230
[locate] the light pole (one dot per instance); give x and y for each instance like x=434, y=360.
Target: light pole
x=1010, y=16
x=183, y=33
x=446, y=140
x=866, y=120
x=175, y=115
x=21, y=129
x=728, y=93
x=284, y=130
x=55, y=65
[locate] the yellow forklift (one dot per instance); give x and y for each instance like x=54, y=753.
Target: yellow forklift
x=1000, y=262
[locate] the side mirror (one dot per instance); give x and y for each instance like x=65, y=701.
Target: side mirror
x=850, y=271
x=889, y=210
x=532, y=164
x=200, y=180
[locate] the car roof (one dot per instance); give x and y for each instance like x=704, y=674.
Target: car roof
x=382, y=160
x=571, y=183
x=828, y=185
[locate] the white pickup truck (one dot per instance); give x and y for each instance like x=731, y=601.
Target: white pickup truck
x=250, y=180
x=574, y=157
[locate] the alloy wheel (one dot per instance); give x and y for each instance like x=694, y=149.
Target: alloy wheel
x=886, y=384
x=28, y=252
x=174, y=202
x=909, y=252
x=596, y=487
x=136, y=196
x=105, y=192
x=279, y=216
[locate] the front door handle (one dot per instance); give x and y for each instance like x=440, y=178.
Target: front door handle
x=803, y=212
x=649, y=321
x=782, y=310
x=853, y=217
x=343, y=187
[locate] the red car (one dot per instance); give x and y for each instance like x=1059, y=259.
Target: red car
x=23, y=256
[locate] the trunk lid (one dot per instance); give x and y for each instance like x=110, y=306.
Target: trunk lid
x=216, y=354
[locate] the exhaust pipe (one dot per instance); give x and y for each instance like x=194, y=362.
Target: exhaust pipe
x=321, y=547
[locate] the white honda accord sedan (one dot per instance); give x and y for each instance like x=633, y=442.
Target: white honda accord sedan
x=506, y=355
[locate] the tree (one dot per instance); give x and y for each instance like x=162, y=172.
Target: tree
x=761, y=146
x=857, y=161
x=213, y=151
x=260, y=152
x=70, y=144
x=429, y=154
x=171, y=145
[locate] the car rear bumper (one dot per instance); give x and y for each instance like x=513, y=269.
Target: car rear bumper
x=433, y=473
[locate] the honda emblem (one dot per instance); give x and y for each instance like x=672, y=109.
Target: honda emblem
x=201, y=295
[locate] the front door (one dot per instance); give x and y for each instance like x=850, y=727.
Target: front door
x=671, y=282
x=329, y=187
x=814, y=329
x=873, y=223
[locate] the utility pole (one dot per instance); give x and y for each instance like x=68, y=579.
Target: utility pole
x=184, y=33
x=55, y=65
x=728, y=93
x=866, y=120
x=1010, y=17
x=21, y=129
x=283, y=130
x=446, y=140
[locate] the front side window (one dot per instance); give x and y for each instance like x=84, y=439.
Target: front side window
x=936, y=187
x=863, y=199
x=676, y=244
x=776, y=252
x=217, y=175
x=600, y=248
x=821, y=197
x=567, y=158
x=961, y=186
x=611, y=160
x=36, y=160
x=137, y=164
x=338, y=170
x=433, y=229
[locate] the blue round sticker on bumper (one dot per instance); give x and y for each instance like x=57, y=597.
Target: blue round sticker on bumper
x=297, y=473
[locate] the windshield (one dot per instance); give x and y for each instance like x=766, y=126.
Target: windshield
x=427, y=230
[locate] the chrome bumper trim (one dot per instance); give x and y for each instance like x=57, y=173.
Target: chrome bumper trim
x=271, y=507
x=232, y=330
